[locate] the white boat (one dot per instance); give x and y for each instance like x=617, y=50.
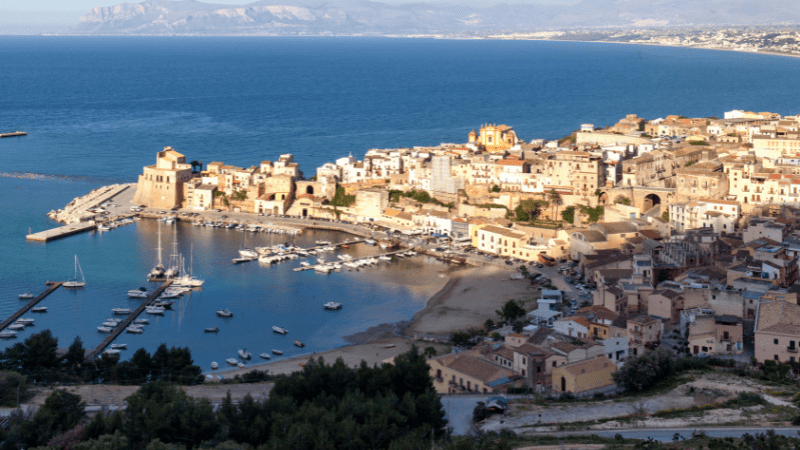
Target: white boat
x=119, y=346
x=138, y=293
x=351, y=265
x=110, y=324
x=224, y=313
x=231, y=361
x=122, y=311
x=244, y=354
x=264, y=355
x=369, y=242
x=16, y=326
x=5, y=334
x=134, y=329
x=103, y=227
x=239, y=365
x=154, y=310
x=304, y=264
x=280, y=330
x=25, y=321
x=323, y=269
x=141, y=321
x=74, y=283
x=299, y=344
x=163, y=304
x=39, y=309
x=245, y=252
x=111, y=351
x=169, y=219
x=211, y=330
x=114, y=320
x=385, y=258
x=411, y=253
x=333, y=305
x=26, y=296
x=104, y=329
x=214, y=365
x=158, y=270
x=277, y=352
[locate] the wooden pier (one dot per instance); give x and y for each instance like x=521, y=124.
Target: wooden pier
x=52, y=287
x=120, y=328
x=60, y=232
x=13, y=134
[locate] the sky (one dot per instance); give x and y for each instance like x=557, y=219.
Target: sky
x=37, y=16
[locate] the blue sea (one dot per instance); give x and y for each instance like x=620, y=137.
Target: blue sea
x=97, y=109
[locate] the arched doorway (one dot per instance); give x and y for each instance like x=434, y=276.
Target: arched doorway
x=651, y=201
x=305, y=212
x=310, y=189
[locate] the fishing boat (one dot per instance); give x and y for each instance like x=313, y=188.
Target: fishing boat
x=280, y=330
x=264, y=355
x=104, y=329
x=277, y=352
x=211, y=330
x=26, y=296
x=119, y=346
x=122, y=311
x=244, y=354
x=39, y=309
x=74, y=283
x=299, y=344
x=138, y=293
x=224, y=313
x=231, y=361
x=333, y=305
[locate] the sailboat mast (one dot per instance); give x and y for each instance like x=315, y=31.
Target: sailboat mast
x=159, y=244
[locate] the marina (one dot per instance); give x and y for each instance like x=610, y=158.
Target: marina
x=50, y=289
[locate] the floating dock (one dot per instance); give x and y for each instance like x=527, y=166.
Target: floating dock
x=13, y=134
x=119, y=329
x=60, y=232
x=52, y=287
x=355, y=260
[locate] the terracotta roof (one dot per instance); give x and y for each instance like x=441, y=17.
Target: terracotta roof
x=532, y=350
x=578, y=319
x=479, y=368
x=391, y=212
x=308, y=196
x=510, y=162
x=650, y=234
x=589, y=366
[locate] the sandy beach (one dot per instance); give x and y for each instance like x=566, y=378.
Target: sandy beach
x=464, y=298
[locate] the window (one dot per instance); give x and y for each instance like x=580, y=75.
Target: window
x=775, y=341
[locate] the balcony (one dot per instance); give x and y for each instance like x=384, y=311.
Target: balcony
x=791, y=349
x=439, y=379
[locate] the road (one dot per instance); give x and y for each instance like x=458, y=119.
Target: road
x=667, y=434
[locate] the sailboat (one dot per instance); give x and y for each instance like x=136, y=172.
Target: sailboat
x=74, y=283
x=188, y=279
x=245, y=252
x=158, y=270
x=174, y=259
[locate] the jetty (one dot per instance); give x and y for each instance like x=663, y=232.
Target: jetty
x=13, y=134
x=52, y=287
x=355, y=260
x=60, y=232
x=120, y=328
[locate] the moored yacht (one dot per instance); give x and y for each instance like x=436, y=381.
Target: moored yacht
x=104, y=329
x=224, y=313
x=244, y=354
x=5, y=334
x=333, y=305
x=280, y=330
x=138, y=293
x=122, y=311
x=74, y=282
x=214, y=365
x=26, y=296
x=39, y=309
x=232, y=361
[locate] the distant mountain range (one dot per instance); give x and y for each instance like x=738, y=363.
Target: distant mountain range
x=361, y=17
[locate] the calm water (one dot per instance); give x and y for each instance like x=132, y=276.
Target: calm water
x=97, y=109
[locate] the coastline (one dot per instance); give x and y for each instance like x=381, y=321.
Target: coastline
x=464, y=300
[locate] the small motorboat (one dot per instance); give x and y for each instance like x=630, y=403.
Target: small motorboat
x=104, y=329
x=299, y=344
x=264, y=355
x=138, y=293
x=163, y=304
x=39, y=309
x=231, y=361
x=154, y=310
x=25, y=321
x=119, y=346
x=134, y=329
x=16, y=327
x=280, y=330
x=26, y=296
x=214, y=365
x=244, y=354
x=224, y=313
x=277, y=352
x=5, y=334
x=239, y=365
x=141, y=321
x=110, y=324
x=211, y=330
x=111, y=352
x=122, y=311
x=333, y=305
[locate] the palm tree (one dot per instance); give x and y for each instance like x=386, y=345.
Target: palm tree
x=555, y=199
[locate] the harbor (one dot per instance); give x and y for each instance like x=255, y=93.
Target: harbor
x=31, y=304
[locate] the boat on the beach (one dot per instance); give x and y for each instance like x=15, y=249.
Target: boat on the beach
x=231, y=361
x=224, y=312
x=104, y=329
x=244, y=354
x=280, y=330
x=74, y=283
x=211, y=330
x=299, y=344
x=333, y=305
x=370, y=242
x=39, y=309
x=122, y=311
x=119, y=346
x=277, y=352
x=214, y=365
x=26, y=296
x=264, y=355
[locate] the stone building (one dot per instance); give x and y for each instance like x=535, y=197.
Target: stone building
x=161, y=185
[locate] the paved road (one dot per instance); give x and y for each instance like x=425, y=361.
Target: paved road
x=667, y=434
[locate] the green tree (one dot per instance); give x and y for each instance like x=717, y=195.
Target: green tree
x=511, y=311
x=646, y=371
x=495, y=188
x=621, y=199
x=665, y=216
x=342, y=199
x=529, y=209
x=75, y=355
x=568, y=214
x=61, y=412
x=12, y=385
x=116, y=441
